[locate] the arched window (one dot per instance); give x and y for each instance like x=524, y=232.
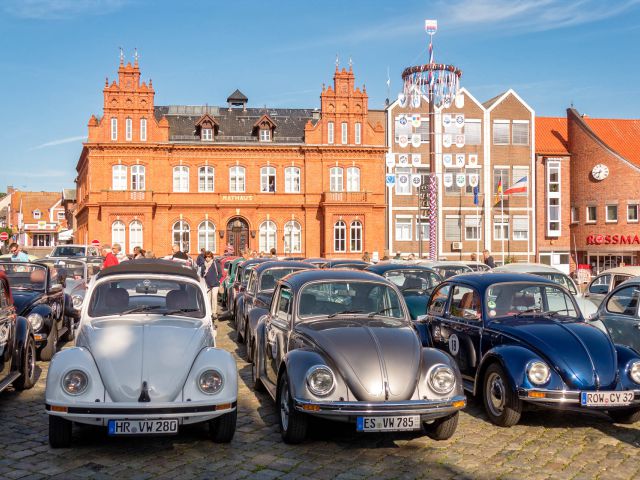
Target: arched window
x=118, y=177
x=207, y=236
x=181, y=235
x=118, y=233
x=128, y=131
x=181, y=179
x=137, y=177
x=135, y=235
x=353, y=179
x=114, y=128
x=292, y=237
x=292, y=180
x=340, y=237
x=267, y=179
x=205, y=179
x=355, y=236
x=267, y=236
x=335, y=177
x=236, y=179
x=143, y=129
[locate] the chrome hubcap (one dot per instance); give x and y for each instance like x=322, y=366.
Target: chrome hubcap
x=284, y=405
x=496, y=394
x=31, y=360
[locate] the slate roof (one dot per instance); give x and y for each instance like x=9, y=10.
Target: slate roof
x=237, y=96
x=236, y=125
x=551, y=136
x=493, y=100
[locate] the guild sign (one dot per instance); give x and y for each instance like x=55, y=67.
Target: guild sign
x=460, y=140
x=403, y=140
x=460, y=180
x=416, y=159
x=447, y=160
x=415, y=120
x=391, y=160
x=446, y=119
x=403, y=159
x=415, y=140
x=473, y=159
x=403, y=179
x=460, y=120
x=431, y=26
x=390, y=180
x=415, y=100
x=416, y=180
x=446, y=140
x=447, y=179
x=459, y=160
x=402, y=99
x=474, y=179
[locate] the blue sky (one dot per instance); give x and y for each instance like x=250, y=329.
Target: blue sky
x=55, y=55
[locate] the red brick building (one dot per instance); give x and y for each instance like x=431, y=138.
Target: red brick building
x=307, y=182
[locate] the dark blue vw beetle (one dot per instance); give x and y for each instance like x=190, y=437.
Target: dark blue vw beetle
x=521, y=339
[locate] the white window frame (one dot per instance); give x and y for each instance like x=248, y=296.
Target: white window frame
x=143, y=129
x=353, y=179
x=606, y=213
x=206, y=135
x=207, y=236
x=447, y=236
x=206, y=179
x=518, y=221
x=265, y=134
x=37, y=214
x=473, y=222
x=587, y=217
x=634, y=205
x=60, y=215
x=181, y=179
x=336, y=179
x=114, y=128
x=118, y=233
x=119, y=177
x=501, y=222
x=138, y=177
x=292, y=237
x=292, y=180
x=237, y=179
x=330, y=132
x=344, y=133
x=551, y=167
x=402, y=189
x=358, y=133
x=128, y=129
x=266, y=173
x=136, y=235
x=267, y=236
x=181, y=235
x=403, y=230
x=520, y=138
x=504, y=136
x=340, y=237
x=355, y=236
x=575, y=215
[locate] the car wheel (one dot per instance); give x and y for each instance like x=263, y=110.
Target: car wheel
x=28, y=372
x=293, y=424
x=627, y=415
x=256, y=383
x=248, y=342
x=51, y=347
x=69, y=335
x=59, y=432
x=502, y=406
x=222, y=428
x=442, y=428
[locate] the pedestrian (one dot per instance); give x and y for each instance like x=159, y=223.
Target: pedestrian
x=200, y=258
x=149, y=254
x=17, y=255
x=488, y=259
x=397, y=257
x=138, y=253
x=178, y=254
x=117, y=251
x=366, y=257
x=474, y=257
x=211, y=272
x=411, y=257
x=273, y=252
x=109, y=258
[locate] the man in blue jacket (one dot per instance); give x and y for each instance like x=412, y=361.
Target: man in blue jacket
x=212, y=273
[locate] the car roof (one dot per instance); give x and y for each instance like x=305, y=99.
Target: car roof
x=297, y=279
x=630, y=270
x=387, y=266
x=443, y=263
x=281, y=264
x=62, y=259
x=254, y=261
x=483, y=280
x=343, y=261
x=526, y=268
x=149, y=265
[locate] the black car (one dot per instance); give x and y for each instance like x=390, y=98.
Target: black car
x=17, y=346
x=243, y=273
x=38, y=296
x=257, y=296
x=346, y=263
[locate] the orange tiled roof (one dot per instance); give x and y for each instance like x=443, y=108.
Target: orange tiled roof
x=620, y=135
x=31, y=201
x=551, y=136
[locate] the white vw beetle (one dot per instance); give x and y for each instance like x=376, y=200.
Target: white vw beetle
x=145, y=360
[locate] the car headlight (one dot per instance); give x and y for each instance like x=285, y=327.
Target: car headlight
x=442, y=379
x=634, y=372
x=320, y=380
x=75, y=382
x=210, y=382
x=76, y=300
x=538, y=373
x=36, y=320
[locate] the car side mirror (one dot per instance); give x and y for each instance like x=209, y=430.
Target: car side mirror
x=422, y=318
x=55, y=288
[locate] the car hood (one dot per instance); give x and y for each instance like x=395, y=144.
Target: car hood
x=582, y=354
x=24, y=299
x=379, y=360
x=417, y=305
x=128, y=353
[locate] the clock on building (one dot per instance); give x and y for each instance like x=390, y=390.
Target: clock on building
x=600, y=171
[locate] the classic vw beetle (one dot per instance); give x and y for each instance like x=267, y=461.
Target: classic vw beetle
x=338, y=344
x=520, y=339
x=145, y=360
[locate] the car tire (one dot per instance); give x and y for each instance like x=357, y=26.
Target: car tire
x=627, y=415
x=256, y=383
x=500, y=403
x=293, y=424
x=239, y=334
x=222, y=428
x=442, y=428
x=248, y=343
x=60, y=430
x=69, y=335
x=51, y=347
x=27, y=376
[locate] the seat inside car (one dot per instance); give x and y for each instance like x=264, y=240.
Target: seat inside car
x=117, y=300
x=308, y=304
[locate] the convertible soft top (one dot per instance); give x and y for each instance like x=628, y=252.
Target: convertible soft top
x=148, y=265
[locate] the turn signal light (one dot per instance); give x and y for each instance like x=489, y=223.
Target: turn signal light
x=223, y=406
x=55, y=408
x=311, y=408
x=459, y=404
x=536, y=394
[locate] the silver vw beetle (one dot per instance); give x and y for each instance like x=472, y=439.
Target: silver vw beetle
x=145, y=360
x=339, y=344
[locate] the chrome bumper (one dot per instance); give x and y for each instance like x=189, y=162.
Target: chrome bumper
x=410, y=407
x=111, y=411
x=567, y=397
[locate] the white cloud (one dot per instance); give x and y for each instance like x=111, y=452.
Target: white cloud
x=60, y=141
x=59, y=9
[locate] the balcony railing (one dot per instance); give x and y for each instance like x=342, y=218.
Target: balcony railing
x=345, y=197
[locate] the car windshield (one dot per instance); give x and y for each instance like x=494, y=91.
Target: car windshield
x=412, y=281
x=450, y=271
x=270, y=277
x=147, y=296
x=349, y=297
x=559, y=278
x=357, y=266
x=68, y=251
x=25, y=276
x=520, y=299
x=71, y=269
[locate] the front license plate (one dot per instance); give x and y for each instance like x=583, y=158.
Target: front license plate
x=143, y=427
x=605, y=399
x=388, y=424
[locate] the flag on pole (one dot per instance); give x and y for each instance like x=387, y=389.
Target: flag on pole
x=499, y=191
x=519, y=187
x=476, y=190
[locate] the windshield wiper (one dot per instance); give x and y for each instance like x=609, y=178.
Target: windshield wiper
x=380, y=312
x=179, y=310
x=529, y=310
x=344, y=312
x=139, y=308
x=553, y=313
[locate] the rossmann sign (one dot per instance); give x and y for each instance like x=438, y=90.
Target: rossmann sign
x=613, y=240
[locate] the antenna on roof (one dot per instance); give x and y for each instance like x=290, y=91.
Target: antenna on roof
x=121, y=56
x=337, y=61
x=350, y=62
x=135, y=55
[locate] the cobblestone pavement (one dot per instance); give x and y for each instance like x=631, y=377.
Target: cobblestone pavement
x=544, y=445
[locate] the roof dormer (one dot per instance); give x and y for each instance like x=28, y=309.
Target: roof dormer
x=264, y=128
x=237, y=100
x=207, y=128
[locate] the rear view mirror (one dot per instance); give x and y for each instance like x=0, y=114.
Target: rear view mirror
x=146, y=289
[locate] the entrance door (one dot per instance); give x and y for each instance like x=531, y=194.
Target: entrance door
x=238, y=234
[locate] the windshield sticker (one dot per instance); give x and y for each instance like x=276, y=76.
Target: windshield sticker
x=492, y=313
x=491, y=304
